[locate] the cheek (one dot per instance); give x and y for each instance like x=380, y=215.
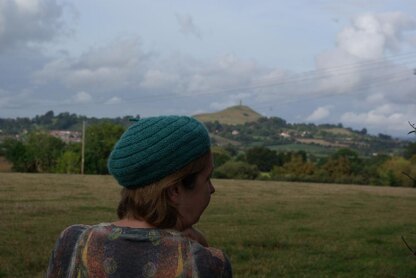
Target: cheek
x=201, y=201
x=206, y=193
x=206, y=198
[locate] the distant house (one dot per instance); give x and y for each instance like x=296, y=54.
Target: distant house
x=235, y=132
x=285, y=134
x=305, y=134
x=68, y=136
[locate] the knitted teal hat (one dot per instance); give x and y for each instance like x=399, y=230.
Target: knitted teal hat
x=155, y=147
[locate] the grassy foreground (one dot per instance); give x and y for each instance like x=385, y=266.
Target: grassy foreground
x=268, y=229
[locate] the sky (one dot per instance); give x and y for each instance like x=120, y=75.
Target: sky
x=316, y=61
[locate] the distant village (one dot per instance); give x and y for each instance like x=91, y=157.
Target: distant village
x=67, y=136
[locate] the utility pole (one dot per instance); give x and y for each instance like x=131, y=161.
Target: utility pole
x=83, y=148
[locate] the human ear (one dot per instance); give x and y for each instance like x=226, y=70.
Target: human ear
x=173, y=193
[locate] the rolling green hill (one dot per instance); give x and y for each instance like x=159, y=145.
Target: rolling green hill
x=244, y=127
x=232, y=115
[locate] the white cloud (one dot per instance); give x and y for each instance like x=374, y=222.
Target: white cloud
x=375, y=98
x=29, y=7
x=224, y=76
x=187, y=25
x=116, y=65
x=364, y=39
x=372, y=118
x=82, y=97
x=154, y=78
x=319, y=114
x=386, y=109
x=359, y=57
x=383, y=118
x=371, y=34
x=113, y=100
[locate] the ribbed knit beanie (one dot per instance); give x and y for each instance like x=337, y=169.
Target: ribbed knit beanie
x=155, y=147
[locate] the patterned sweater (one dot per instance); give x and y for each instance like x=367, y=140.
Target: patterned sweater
x=106, y=250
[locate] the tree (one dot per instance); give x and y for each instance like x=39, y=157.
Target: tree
x=237, y=170
x=297, y=168
x=356, y=163
x=100, y=139
x=231, y=149
x=263, y=157
x=69, y=163
x=38, y=152
x=16, y=152
x=220, y=155
x=391, y=172
x=410, y=150
x=411, y=154
x=337, y=168
x=45, y=150
x=384, y=136
x=370, y=169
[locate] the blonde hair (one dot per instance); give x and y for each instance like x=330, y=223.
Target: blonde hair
x=152, y=204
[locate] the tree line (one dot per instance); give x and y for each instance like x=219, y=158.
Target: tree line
x=344, y=166
x=52, y=121
x=39, y=152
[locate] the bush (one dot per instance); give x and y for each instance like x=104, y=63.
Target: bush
x=220, y=155
x=237, y=170
x=396, y=171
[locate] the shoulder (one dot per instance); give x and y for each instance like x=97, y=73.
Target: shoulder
x=72, y=233
x=63, y=250
x=211, y=260
x=206, y=261
x=73, y=230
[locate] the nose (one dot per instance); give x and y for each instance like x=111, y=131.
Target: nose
x=211, y=187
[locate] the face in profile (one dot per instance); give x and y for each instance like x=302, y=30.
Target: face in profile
x=193, y=202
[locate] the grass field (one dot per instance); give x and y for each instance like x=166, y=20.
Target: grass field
x=268, y=229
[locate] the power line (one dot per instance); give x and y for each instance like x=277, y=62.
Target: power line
x=297, y=78
x=315, y=95
x=372, y=82
x=307, y=76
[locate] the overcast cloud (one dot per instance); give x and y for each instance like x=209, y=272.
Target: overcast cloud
x=23, y=22
x=193, y=58
x=187, y=26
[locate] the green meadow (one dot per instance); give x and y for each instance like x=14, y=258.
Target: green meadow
x=268, y=229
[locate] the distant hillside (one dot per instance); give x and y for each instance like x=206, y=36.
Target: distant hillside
x=242, y=127
x=239, y=126
x=231, y=116
x=50, y=121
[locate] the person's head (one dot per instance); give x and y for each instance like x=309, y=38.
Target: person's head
x=164, y=164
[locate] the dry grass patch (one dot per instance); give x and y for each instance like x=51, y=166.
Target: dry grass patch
x=5, y=166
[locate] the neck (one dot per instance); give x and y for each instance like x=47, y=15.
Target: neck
x=132, y=223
